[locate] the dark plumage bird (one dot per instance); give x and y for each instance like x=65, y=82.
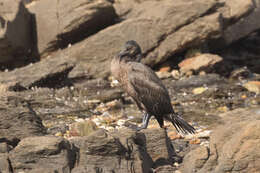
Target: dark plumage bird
x=146, y=89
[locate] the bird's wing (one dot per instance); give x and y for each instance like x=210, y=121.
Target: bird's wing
x=149, y=89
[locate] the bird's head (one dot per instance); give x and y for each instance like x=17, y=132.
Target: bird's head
x=131, y=51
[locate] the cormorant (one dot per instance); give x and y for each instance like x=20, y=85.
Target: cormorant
x=145, y=88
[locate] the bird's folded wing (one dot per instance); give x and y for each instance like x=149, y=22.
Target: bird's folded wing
x=149, y=88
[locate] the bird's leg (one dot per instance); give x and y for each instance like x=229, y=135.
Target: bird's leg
x=146, y=118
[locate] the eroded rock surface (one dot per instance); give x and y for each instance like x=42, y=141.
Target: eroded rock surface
x=124, y=151
x=234, y=146
x=43, y=154
x=60, y=23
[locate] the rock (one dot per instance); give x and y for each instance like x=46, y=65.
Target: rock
x=190, y=35
x=174, y=135
x=123, y=151
x=165, y=68
x=5, y=166
x=197, y=159
x=240, y=73
x=84, y=128
x=199, y=90
x=175, y=74
x=233, y=145
x=157, y=27
x=147, y=29
x=203, y=62
x=5, y=148
x=246, y=14
x=16, y=45
x=18, y=122
x=163, y=74
x=43, y=154
x=198, y=81
x=50, y=73
x=253, y=86
x=202, y=134
x=60, y=23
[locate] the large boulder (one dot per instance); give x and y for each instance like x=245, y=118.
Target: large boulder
x=241, y=18
x=46, y=73
x=60, y=23
x=123, y=151
x=44, y=154
x=16, y=32
x=18, y=121
x=163, y=28
x=156, y=22
x=234, y=146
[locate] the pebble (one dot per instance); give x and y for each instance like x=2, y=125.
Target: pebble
x=195, y=141
x=223, y=109
x=175, y=74
x=199, y=90
x=253, y=86
x=165, y=69
x=163, y=74
x=202, y=134
x=174, y=135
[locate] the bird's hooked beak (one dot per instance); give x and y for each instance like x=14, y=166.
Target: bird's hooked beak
x=122, y=53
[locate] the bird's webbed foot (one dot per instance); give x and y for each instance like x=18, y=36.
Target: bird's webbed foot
x=145, y=122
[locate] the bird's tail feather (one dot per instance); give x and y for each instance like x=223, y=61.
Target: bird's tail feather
x=180, y=124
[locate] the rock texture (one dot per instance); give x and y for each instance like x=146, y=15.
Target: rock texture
x=60, y=23
x=156, y=25
x=234, y=146
x=149, y=28
x=123, y=151
x=15, y=43
x=47, y=73
x=203, y=62
x=43, y=154
x=18, y=121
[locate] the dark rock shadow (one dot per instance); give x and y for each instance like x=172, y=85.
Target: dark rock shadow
x=148, y=163
x=25, y=52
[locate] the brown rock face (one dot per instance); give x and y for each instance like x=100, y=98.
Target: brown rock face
x=153, y=27
x=18, y=122
x=15, y=43
x=123, y=151
x=203, y=62
x=60, y=23
x=43, y=154
x=234, y=146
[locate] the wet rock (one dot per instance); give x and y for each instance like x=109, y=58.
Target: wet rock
x=123, y=151
x=233, y=145
x=83, y=128
x=203, y=62
x=15, y=46
x=253, y=86
x=60, y=23
x=43, y=154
